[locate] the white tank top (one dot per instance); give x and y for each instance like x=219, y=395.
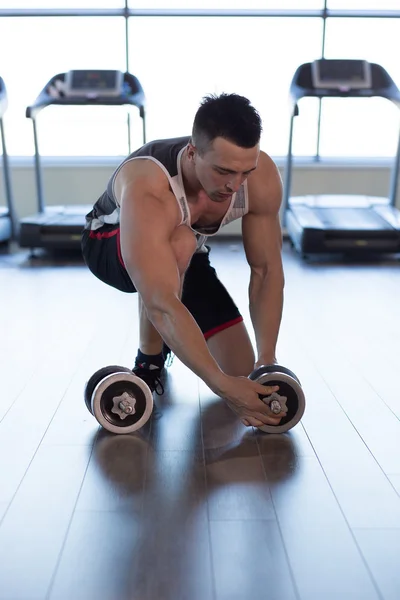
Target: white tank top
x=167, y=154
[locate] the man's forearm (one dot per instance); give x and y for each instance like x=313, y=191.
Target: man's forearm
x=182, y=334
x=266, y=305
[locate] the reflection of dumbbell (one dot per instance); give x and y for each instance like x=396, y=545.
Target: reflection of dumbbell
x=289, y=398
x=120, y=401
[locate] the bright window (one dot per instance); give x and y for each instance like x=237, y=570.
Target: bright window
x=178, y=60
x=354, y=127
x=42, y=47
x=251, y=56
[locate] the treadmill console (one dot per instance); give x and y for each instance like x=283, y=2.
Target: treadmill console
x=93, y=83
x=341, y=74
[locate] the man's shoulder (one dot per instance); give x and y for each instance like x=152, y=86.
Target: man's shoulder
x=265, y=186
x=266, y=165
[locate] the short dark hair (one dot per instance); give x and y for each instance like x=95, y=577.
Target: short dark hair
x=229, y=116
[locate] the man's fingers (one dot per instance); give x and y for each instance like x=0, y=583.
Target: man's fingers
x=264, y=410
x=260, y=419
x=267, y=419
x=267, y=390
x=252, y=422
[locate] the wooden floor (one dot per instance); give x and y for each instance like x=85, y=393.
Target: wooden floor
x=195, y=506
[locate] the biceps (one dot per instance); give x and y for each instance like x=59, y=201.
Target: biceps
x=148, y=254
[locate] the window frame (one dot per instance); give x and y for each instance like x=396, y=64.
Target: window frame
x=129, y=13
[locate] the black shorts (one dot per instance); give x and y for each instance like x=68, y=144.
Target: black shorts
x=203, y=294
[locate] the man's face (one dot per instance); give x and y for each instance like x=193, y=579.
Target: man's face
x=224, y=167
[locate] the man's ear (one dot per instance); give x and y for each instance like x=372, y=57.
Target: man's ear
x=191, y=151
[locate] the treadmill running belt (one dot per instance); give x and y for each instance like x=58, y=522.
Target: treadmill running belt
x=65, y=221
x=359, y=219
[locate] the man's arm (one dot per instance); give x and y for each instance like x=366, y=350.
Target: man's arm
x=149, y=220
x=262, y=240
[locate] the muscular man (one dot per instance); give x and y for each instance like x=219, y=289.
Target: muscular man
x=148, y=233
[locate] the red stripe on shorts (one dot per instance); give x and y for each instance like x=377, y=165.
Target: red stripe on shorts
x=98, y=235
x=101, y=235
x=215, y=330
x=119, y=249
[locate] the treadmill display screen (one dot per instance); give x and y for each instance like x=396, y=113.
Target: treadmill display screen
x=93, y=83
x=341, y=74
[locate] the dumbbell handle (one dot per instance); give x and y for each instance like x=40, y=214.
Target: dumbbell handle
x=124, y=405
x=275, y=407
x=276, y=402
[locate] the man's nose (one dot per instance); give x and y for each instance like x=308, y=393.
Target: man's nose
x=235, y=183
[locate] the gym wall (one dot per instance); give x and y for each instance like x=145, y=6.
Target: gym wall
x=83, y=184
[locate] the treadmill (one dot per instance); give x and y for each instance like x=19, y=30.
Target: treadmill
x=346, y=224
x=60, y=227
x=8, y=219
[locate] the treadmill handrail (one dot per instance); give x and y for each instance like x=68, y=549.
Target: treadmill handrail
x=3, y=97
x=390, y=91
x=6, y=165
x=386, y=89
x=44, y=99
x=133, y=96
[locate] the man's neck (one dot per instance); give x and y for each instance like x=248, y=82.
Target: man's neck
x=190, y=181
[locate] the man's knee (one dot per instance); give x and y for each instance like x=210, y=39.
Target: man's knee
x=241, y=366
x=233, y=350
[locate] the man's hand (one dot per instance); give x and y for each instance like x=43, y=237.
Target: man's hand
x=242, y=396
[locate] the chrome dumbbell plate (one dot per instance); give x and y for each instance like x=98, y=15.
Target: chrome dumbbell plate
x=290, y=395
x=96, y=378
x=122, y=402
x=119, y=400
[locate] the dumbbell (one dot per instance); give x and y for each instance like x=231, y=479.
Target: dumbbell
x=120, y=401
x=289, y=398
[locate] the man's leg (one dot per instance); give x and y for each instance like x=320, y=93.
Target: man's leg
x=150, y=341
x=233, y=350
x=149, y=362
x=218, y=317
